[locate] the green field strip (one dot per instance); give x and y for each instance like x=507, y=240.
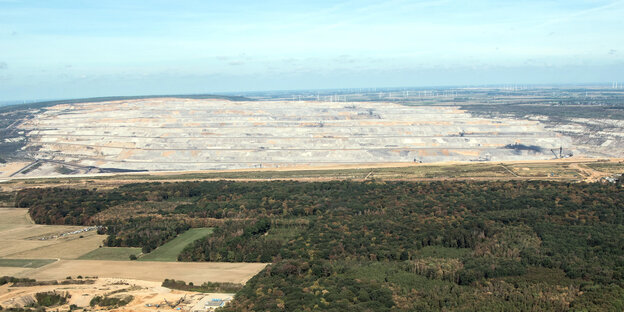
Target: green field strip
x=25, y=263
x=111, y=253
x=171, y=250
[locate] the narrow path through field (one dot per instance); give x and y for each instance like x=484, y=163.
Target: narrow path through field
x=509, y=170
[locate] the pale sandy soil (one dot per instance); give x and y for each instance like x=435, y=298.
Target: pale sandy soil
x=9, y=168
x=125, y=178
x=196, y=272
x=287, y=168
x=144, y=292
x=590, y=175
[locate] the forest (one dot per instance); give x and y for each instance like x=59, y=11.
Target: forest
x=381, y=246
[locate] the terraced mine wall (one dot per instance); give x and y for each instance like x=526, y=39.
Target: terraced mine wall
x=199, y=134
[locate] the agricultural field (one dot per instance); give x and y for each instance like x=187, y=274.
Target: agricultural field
x=170, y=250
x=71, y=248
x=25, y=263
x=167, y=253
x=197, y=273
x=111, y=253
x=20, y=238
x=24, y=254
x=14, y=217
x=25, y=246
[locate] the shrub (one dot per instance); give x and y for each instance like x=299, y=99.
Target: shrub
x=49, y=299
x=110, y=301
x=10, y=279
x=205, y=287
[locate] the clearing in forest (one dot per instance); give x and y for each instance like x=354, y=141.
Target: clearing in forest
x=171, y=250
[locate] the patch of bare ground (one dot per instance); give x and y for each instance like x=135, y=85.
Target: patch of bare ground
x=556, y=169
x=147, y=295
x=7, y=169
x=196, y=272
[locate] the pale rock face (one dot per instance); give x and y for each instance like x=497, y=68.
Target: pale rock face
x=189, y=134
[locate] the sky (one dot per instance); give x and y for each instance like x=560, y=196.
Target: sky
x=68, y=49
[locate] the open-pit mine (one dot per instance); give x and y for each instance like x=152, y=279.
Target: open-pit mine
x=171, y=134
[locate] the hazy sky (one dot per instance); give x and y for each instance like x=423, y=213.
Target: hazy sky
x=57, y=49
